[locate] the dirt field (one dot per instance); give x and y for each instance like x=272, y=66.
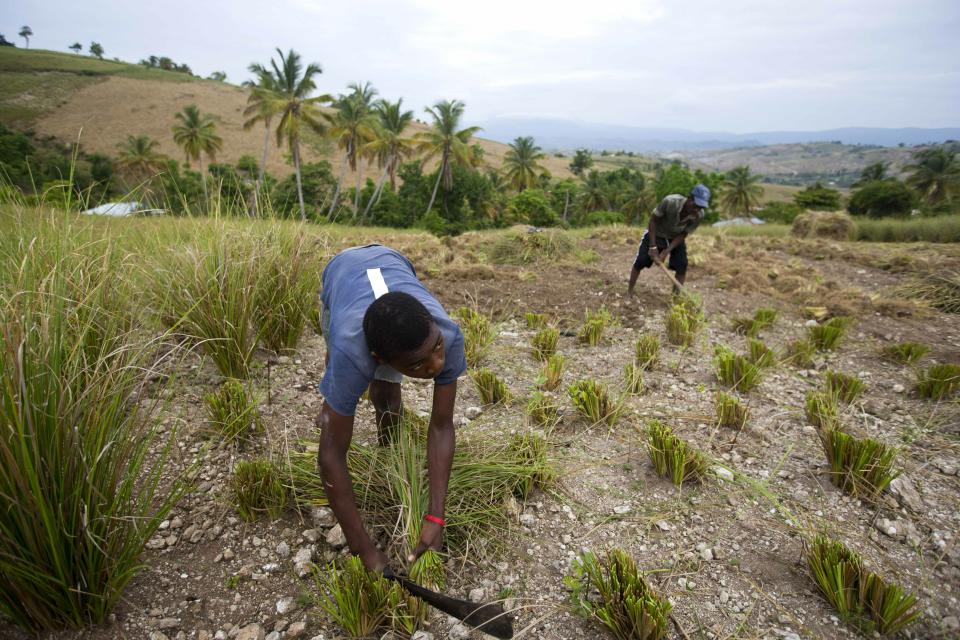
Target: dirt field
x=728, y=553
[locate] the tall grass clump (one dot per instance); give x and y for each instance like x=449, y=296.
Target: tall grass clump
x=940, y=290
x=862, y=468
x=633, y=378
x=233, y=412
x=286, y=292
x=684, y=320
x=800, y=353
x=861, y=597
x=760, y=354
x=543, y=411
x=594, y=324
x=80, y=474
x=905, y=352
x=535, y=320
x=735, y=370
x=478, y=335
x=492, y=389
x=533, y=449
x=646, y=352
x=672, y=457
x=592, y=400
x=945, y=228
x=552, y=372
x=844, y=387
x=731, y=413
x=752, y=327
x=938, y=381
x=530, y=247
x=357, y=600
x=821, y=410
x=612, y=590
x=258, y=488
x=209, y=290
x=544, y=343
x=827, y=336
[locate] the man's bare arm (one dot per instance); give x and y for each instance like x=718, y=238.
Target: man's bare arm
x=441, y=443
x=335, y=435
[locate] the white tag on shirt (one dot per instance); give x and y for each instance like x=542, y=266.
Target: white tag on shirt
x=377, y=282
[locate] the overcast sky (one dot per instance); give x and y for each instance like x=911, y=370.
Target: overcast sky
x=736, y=66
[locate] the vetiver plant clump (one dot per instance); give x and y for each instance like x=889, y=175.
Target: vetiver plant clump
x=612, y=590
x=543, y=411
x=938, y=381
x=552, y=373
x=594, y=324
x=544, y=343
x=233, y=413
x=905, y=352
x=862, y=467
x=258, y=489
x=492, y=389
x=731, y=413
x=647, y=351
x=821, y=410
x=592, y=400
x=672, y=457
x=827, y=336
x=684, y=320
x=861, y=597
x=845, y=387
x=478, y=335
x=752, y=327
x=735, y=370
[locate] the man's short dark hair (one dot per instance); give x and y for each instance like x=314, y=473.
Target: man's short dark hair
x=396, y=323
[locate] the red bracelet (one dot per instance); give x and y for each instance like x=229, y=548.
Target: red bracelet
x=434, y=519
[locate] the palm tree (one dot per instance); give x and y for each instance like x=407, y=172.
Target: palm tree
x=639, y=200
x=521, y=163
x=935, y=174
x=388, y=145
x=446, y=141
x=25, y=33
x=364, y=95
x=197, y=135
x=76, y=47
x=261, y=107
x=872, y=173
x=290, y=100
x=353, y=127
x=594, y=194
x=741, y=191
x=140, y=156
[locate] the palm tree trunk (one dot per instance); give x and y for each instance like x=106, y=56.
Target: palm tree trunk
x=203, y=181
x=263, y=168
x=336, y=192
x=356, y=197
x=376, y=192
x=295, y=147
x=566, y=205
x=436, y=185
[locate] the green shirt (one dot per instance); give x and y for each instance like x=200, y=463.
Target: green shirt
x=669, y=223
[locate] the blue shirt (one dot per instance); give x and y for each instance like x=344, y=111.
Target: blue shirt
x=348, y=289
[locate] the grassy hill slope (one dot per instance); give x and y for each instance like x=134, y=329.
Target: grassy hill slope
x=63, y=94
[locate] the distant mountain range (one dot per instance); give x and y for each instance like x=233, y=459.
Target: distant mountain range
x=565, y=135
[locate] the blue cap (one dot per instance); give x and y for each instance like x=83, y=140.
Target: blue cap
x=700, y=195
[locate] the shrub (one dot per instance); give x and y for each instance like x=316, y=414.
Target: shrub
x=905, y=352
x=780, y=212
x=938, y=381
x=613, y=591
x=592, y=400
x=730, y=411
x=672, y=457
x=647, y=351
x=882, y=198
x=79, y=478
x=818, y=197
x=552, y=372
x=734, y=370
x=478, y=335
x=233, y=414
x=944, y=228
x=257, y=489
x=827, y=336
x=821, y=410
x=492, y=389
x=543, y=411
x=528, y=247
x=760, y=354
x=845, y=388
x=684, y=320
x=533, y=207
x=859, y=596
x=823, y=224
x=544, y=343
x=535, y=320
x=633, y=378
x=939, y=290
x=594, y=325
x=861, y=467
x=800, y=353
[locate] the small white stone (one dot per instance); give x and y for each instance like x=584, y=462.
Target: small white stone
x=283, y=550
x=286, y=605
x=722, y=472
x=898, y=388
x=336, y=538
x=663, y=525
x=472, y=413
x=621, y=509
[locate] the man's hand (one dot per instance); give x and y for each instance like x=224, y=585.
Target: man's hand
x=374, y=560
x=654, y=254
x=431, y=537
